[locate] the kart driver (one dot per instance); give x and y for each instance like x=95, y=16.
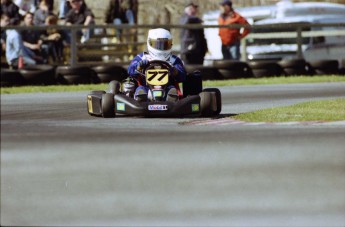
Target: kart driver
x=159, y=44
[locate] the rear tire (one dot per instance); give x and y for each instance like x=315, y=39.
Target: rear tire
x=108, y=105
x=206, y=104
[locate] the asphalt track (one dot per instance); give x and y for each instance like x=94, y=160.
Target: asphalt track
x=60, y=166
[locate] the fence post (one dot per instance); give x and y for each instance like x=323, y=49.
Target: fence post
x=299, y=42
x=73, y=47
x=244, y=49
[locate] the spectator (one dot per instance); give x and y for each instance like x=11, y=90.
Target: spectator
x=80, y=14
x=52, y=38
x=120, y=12
x=11, y=10
x=42, y=13
x=32, y=41
x=26, y=6
x=14, y=44
x=193, y=42
x=231, y=37
x=49, y=2
x=64, y=7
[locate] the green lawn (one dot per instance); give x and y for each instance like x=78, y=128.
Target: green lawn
x=325, y=110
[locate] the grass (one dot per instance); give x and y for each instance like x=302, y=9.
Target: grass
x=325, y=110
x=214, y=83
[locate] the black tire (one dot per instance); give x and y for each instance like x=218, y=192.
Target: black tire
x=207, y=72
x=193, y=84
x=75, y=75
x=38, y=74
x=295, y=67
x=108, y=105
x=322, y=67
x=265, y=69
x=206, y=104
x=218, y=95
x=230, y=69
x=114, y=87
x=11, y=77
x=107, y=73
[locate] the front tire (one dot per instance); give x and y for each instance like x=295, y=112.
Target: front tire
x=108, y=105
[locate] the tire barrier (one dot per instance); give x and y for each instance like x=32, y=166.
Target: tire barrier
x=221, y=69
x=323, y=67
x=11, y=77
x=233, y=69
x=206, y=72
x=107, y=73
x=266, y=69
x=296, y=67
x=38, y=74
x=75, y=75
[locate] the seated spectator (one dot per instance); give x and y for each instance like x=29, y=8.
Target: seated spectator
x=80, y=14
x=26, y=6
x=42, y=13
x=52, y=38
x=32, y=41
x=11, y=9
x=49, y=2
x=14, y=45
x=120, y=12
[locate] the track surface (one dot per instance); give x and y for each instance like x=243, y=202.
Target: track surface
x=60, y=166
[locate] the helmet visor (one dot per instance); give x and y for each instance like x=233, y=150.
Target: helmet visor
x=160, y=44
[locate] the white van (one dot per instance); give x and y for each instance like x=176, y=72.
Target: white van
x=321, y=47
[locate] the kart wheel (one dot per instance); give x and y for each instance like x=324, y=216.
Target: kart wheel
x=108, y=105
x=114, y=87
x=206, y=104
x=97, y=92
x=218, y=96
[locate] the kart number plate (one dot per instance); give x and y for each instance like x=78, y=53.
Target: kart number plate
x=157, y=76
x=158, y=107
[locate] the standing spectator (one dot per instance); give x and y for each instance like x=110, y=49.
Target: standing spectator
x=11, y=10
x=42, y=13
x=80, y=14
x=26, y=6
x=120, y=12
x=14, y=45
x=49, y=2
x=32, y=41
x=193, y=42
x=231, y=37
x=64, y=7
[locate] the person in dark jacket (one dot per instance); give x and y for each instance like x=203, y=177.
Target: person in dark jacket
x=193, y=42
x=10, y=9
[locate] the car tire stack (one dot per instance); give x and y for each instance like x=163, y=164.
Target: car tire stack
x=75, y=75
x=107, y=73
x=38, y=74
x=265, y=69
x=325, y=67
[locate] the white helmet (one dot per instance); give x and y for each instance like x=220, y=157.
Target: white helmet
x=159, y=43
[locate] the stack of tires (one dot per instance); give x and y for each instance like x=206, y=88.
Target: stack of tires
x=206, y=72
x=266, y=69
x=295, y=67
x=230, y=69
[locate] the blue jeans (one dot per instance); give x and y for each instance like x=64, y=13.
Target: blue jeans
x=231, y=52
x=130, y=19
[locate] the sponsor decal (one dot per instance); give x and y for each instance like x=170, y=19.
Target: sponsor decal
x=158, y=107
x=120, y=106
x=195, y=107
x=89, y=103
x=157, y=93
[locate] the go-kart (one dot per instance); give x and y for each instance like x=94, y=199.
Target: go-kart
x=192, y=99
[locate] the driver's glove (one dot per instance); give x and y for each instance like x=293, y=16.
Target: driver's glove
x=142, y=64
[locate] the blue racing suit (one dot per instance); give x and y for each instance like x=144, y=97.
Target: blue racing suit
x=175, y=61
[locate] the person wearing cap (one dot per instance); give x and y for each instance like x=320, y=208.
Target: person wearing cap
x=193, y=42
x=231, y=37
